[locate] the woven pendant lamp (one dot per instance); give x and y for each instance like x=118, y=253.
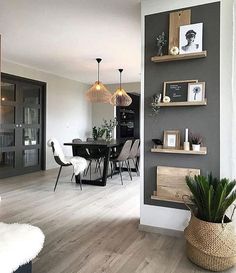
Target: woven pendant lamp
x=120, y=97
x=98, y=92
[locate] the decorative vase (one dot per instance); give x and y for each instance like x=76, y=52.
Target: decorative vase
x=186, y=146
x=211, y=245
x=108, y=135
x=196, y=147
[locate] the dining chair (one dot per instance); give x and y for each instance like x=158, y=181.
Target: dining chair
x=60, y=159
x=84, y=153
x=95, y=154
x=133, y=155
x=122, y=158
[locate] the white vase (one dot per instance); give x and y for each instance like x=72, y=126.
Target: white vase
x=196, y=147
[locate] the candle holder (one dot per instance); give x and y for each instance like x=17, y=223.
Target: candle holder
x=186, y=146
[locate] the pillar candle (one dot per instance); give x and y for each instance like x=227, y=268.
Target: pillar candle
x=186, y=135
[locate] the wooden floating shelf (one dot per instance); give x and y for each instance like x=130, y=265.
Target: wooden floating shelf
x=203, y=151
x=180, y=57
x=156, y=197
x=183, y=103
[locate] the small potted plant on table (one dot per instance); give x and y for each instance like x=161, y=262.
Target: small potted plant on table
x=210, y=235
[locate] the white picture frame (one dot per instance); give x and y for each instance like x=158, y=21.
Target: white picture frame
x=171, y=141
x=196, y=91
x=190, y=38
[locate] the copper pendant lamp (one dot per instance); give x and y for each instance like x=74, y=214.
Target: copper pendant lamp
x=120, y=97
x=98, y=92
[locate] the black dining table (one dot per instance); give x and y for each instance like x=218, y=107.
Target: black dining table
x=104, y=148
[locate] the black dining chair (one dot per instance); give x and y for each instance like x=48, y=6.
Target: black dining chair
x=61, y=164
x=122, y=158
x=95, y=154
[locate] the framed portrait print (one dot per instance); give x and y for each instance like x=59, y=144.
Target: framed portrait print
x=177, y=91
x=190, y=38
x=196, y=91
x=171, y=139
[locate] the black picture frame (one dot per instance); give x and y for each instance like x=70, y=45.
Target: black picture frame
x=177, y=91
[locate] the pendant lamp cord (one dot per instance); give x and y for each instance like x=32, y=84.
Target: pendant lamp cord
x=120, y=70
x=98, y=72
x=98, y=61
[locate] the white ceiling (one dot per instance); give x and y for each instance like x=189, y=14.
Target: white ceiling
x=65, y=36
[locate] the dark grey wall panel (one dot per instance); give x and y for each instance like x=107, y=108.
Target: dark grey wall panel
x=199, y=119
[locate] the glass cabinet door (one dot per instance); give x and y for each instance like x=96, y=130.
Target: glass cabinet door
x=31, y=126
x=7, y=125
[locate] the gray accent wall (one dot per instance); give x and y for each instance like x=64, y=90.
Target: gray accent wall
x=204, y=120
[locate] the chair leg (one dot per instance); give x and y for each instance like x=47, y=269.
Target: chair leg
x=89, y=166
x=72, y=176
x=80, y=181
x=57, y=178
x=90, y=170
x=137, y=163
x=128, y=168
x=136, y=169
x=99, y=166
x=120, y=174
x=96, y=166
x=111, y=169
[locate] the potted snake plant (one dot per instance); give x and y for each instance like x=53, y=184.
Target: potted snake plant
x=210, y=235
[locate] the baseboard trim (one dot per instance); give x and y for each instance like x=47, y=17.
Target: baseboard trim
x=163, y=231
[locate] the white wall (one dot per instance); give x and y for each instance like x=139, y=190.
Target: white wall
x=106, y=111
x=173, y=218
x=68, y=114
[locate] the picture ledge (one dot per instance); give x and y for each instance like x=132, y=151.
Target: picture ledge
x=179, y=57
x=203, y=151
x=183, y=103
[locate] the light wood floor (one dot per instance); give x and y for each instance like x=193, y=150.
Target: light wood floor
x=92, y=231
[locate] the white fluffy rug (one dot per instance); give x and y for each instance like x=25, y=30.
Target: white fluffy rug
x=19, y=244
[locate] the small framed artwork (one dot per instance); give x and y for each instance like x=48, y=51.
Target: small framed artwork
x=171, y=139
x=196, y=91
x=190, y=38
x=177, y=91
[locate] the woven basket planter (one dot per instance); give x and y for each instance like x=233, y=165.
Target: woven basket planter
x=211, y=245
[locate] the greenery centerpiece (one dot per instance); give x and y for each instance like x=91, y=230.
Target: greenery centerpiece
x=109, y=126
x=210, y=235
x=98, y=132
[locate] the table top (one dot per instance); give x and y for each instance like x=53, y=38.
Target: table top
x=97, y=143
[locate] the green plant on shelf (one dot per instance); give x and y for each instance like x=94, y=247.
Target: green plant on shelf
x=155, y=107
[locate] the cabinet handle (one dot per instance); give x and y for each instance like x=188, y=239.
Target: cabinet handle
x=17, y=125
x=20, y=125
